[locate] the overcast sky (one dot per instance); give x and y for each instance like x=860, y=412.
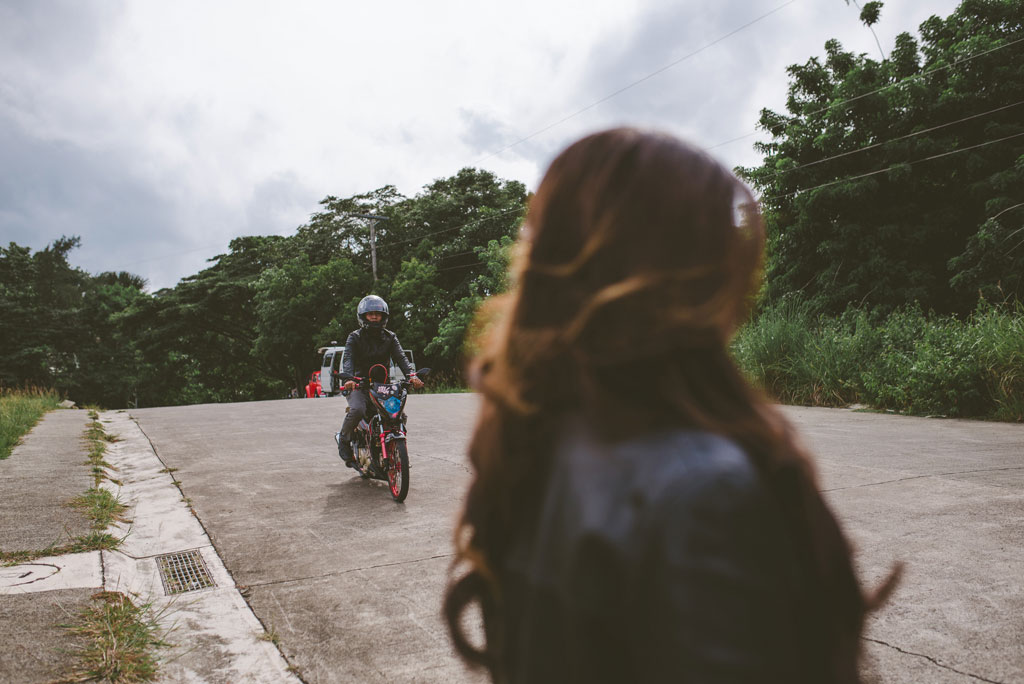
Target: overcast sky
x=157, y=131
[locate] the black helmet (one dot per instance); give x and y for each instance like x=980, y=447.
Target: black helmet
x=366, y=305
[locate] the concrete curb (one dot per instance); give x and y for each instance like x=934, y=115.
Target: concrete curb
x=215, y=635
x=72, y=571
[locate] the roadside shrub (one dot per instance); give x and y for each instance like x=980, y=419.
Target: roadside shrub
x=948, y=374
x=20, y=410
x=910, y=361
x=769, y=349
x=796, y=358
x=886, y=359
x=1000, y=343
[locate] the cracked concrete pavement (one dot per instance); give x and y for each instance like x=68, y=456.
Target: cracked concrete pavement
x=349, y=583
x=348, y=580
x=211, y=632
x=944, y=497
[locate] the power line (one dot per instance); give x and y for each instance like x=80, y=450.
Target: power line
x=791, y=119
x=461, y=225
x=453, y=268
x=823, y=185
x=636, y=82
x=594, y=104
x=841, y=180
x=176, y=254
x=888, y=168
x=787, y=121
x=902, y=137
x=452, y=256
x=559, y=122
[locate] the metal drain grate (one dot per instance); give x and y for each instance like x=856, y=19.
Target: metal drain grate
x=185, y=571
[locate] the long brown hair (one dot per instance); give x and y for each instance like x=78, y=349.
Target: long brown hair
x=638, y=260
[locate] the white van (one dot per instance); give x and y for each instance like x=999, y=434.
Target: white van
x=333, y=356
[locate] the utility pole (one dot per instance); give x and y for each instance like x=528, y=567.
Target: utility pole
x=373, y=239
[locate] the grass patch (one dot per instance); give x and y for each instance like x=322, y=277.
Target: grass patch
x=452, y=389
x=909, y=362
x=440, y=382
x=121, y=640
x=94, y=541
x=20, y=410
x=97, y=440
x=98, y=505
x=101, y=507
x=272, y=636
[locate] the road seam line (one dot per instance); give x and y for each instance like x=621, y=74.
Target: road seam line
x=216, y=621
x=931, y=660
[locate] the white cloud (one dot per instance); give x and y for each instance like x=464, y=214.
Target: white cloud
x=159, y=131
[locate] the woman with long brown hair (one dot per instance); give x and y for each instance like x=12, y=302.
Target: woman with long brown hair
x=638, y=512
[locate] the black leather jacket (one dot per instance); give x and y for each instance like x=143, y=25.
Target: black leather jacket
x=660, y=559
x=366, y=347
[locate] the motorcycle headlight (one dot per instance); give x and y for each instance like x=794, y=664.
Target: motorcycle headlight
x=393, y=405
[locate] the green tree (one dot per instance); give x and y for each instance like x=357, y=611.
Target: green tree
x=340, y=228
x=247, y=326
x=109, y=365
x=59, y=326
x=879, y=182
x=196, y=339
x=41, y=299
x=296, y=303
x=448, y=226
x=449, y=343
x=416, y=303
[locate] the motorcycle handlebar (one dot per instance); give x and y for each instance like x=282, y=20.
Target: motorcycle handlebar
x=362, y=383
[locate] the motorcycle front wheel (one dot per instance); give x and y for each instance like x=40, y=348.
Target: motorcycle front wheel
x=398, y=469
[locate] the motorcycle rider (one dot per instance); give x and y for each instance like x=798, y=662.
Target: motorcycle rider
x=371, y=344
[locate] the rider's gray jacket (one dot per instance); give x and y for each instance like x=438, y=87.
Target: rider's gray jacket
x=367, y=347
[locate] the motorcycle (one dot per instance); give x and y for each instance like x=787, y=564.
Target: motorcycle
x=379, y=441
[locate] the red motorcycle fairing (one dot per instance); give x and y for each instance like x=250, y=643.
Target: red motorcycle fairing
x=382, y=434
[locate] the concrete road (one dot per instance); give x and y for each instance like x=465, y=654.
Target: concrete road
x=351, y=582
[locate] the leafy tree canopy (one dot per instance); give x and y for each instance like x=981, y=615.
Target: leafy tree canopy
x=248, y=325
x=901, y=180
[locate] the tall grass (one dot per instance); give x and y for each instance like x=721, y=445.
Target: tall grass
x=20, y=410
x=450, y=382
x=121, y=640
x=911, y=361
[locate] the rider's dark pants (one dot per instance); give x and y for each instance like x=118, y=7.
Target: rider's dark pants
x=358, y=401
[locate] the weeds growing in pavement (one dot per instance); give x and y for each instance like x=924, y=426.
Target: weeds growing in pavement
x=272, y=636
x=121, y=640
x=94, y=541
x=97, y=440
x=20, y=410
x=101, y=507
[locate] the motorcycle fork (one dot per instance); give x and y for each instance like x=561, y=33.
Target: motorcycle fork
x=398, y=434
